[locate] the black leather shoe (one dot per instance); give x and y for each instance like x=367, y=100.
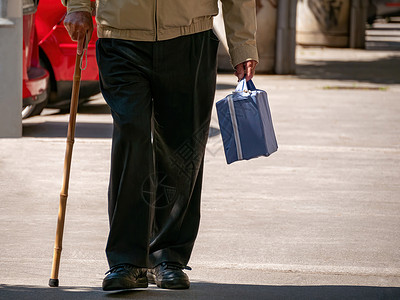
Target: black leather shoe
x=123, y=277
x=169, y=276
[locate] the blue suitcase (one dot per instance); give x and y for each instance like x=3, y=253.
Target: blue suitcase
x=245, y=122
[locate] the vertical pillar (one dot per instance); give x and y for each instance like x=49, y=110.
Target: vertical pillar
x=285, y=58
x=11, y=68
x=358, y=19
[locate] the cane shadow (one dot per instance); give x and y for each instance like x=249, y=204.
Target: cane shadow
x=206, y=290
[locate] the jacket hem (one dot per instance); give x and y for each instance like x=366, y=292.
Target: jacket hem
x=104, y=31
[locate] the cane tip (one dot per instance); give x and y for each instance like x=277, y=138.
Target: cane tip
x=53, y=282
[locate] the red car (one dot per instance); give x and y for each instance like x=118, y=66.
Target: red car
x=35, y=81
x=56, y=53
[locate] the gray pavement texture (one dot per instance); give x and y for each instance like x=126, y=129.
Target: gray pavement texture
x=319, y=219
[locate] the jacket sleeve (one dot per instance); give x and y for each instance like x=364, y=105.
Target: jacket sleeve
x=240, y=26
x=77, y=5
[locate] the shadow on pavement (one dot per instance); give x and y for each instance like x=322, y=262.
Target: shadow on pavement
x=94, y=109
x=59, y=129
x=381, y=71
x=383, y=46
x=205, y=290
x=83, y=130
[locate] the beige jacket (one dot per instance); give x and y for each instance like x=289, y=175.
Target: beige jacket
x=157, y=20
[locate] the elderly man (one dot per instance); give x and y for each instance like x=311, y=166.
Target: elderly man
x=157, y=64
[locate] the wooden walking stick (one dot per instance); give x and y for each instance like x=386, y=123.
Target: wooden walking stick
x=53, y=282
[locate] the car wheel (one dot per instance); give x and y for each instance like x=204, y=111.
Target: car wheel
x=27, y=111
x=33, y=109
x=36, y=109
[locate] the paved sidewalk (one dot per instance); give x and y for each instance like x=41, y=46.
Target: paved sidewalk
x=319, y=219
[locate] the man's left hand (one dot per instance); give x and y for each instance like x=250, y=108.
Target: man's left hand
x=246, y=68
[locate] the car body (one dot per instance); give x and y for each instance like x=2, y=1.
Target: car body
x=35, y=78
x=57, y=53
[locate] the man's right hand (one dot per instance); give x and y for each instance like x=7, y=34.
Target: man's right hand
x=79, y=24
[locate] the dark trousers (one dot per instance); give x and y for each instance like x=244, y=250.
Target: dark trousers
x=161, y=95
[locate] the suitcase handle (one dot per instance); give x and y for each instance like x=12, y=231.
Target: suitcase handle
x=244, y=86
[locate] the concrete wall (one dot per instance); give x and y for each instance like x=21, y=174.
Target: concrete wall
x=11, y=69
x=323, y=22
x=332, y=23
